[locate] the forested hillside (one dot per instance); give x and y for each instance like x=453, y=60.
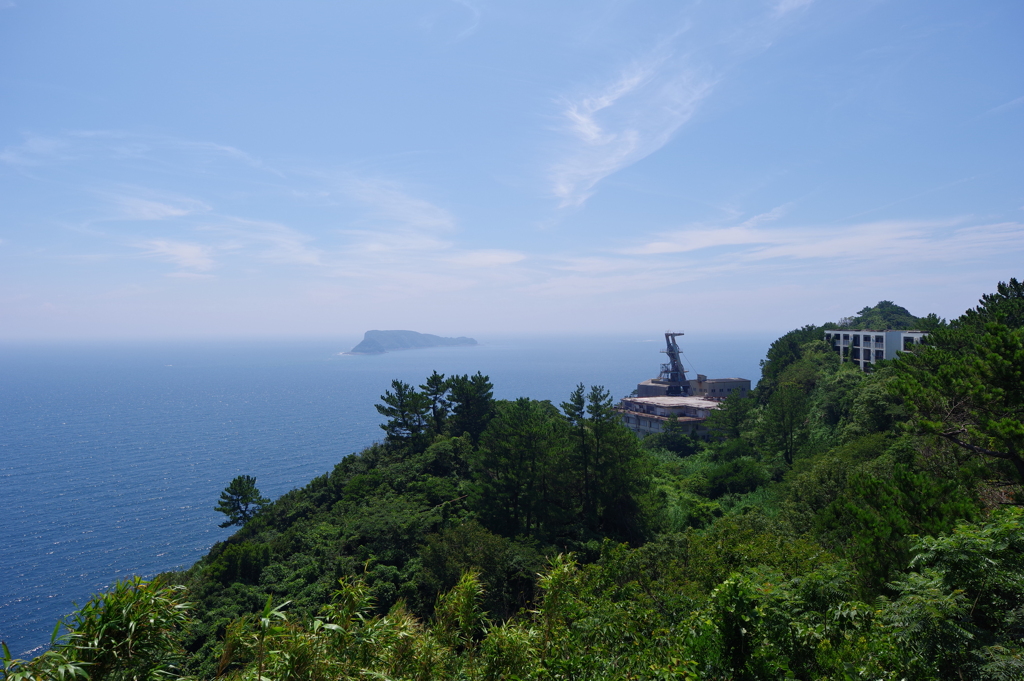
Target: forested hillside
x=839, y=525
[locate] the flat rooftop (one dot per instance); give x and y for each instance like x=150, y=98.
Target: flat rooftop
x=655, y=381
x=674, y=401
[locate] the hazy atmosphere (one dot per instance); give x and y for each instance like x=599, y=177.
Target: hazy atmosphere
x=469, y=167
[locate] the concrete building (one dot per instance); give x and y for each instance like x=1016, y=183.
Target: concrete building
x=702, y=386
x=718, y=388
x=672, y=394
x=864, y=347
x=646, y=415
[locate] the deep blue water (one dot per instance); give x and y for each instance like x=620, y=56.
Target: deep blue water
x=112, y=456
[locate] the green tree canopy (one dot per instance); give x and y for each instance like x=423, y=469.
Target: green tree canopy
x=472, y=399
x=522, y=467
x=973, y=399
x=436, y=389
x=885, y=315
x=240, y=501
x=1005, y=306
x=407, y=412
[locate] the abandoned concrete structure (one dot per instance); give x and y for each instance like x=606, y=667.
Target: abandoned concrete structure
x=673, y=395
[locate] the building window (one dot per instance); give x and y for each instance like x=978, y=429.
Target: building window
x=856, y=340
x=855, y=353
x=908, y=342
x=879, y=340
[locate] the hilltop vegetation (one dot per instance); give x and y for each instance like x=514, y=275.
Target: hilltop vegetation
x=888, y=315
x=839, y=525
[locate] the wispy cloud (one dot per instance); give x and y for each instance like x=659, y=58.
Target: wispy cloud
x=189, y=255
x=267, y=241
x=474, y=22
x=394, y=220
x=866, y=240
x=625, y=120
x=139, y=208
x=786, y=6
x=390, y=203
x=890, y=243
x=1012, y=104
x=36, y=150
x=383, y=243
x=189, y=275
x=119, y=145
x=633, y=114
x=699, y=237
x=696, y=261
x=485, y=258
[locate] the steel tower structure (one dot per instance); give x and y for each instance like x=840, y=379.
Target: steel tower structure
x=672, y=372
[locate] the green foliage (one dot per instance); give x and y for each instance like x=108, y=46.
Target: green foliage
x=240, y=563
x=561, y=479
x=1005, y=306
x=775, y=608
x=674, y=438
x=56, y=664
x=973, y=399
x=781, y=424
x=960, y=614
x=877, y=514
x=730, y=419
x=132, y=631
x=240, y=501
x=460, y=621
x=472, y=400
x=837, y=525
x=406, y=411
x=522, y=477
x=507, y=567
x=815, y=483
x=781, y=354
x=435, y=389
x=737, y=476
x=885, y=315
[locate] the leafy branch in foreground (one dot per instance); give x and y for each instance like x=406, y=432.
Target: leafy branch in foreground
x=130, y=632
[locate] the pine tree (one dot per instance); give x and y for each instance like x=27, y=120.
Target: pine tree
x=240, y=501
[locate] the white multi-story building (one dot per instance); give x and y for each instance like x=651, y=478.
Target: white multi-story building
x=864, y=347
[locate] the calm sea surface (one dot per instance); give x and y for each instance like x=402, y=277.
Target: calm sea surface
x=113, y=456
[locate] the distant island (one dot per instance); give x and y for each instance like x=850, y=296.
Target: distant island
x=377, y=342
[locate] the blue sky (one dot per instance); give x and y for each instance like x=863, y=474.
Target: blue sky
x=240, y=168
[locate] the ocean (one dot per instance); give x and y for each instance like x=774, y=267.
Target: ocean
x=113, y=455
